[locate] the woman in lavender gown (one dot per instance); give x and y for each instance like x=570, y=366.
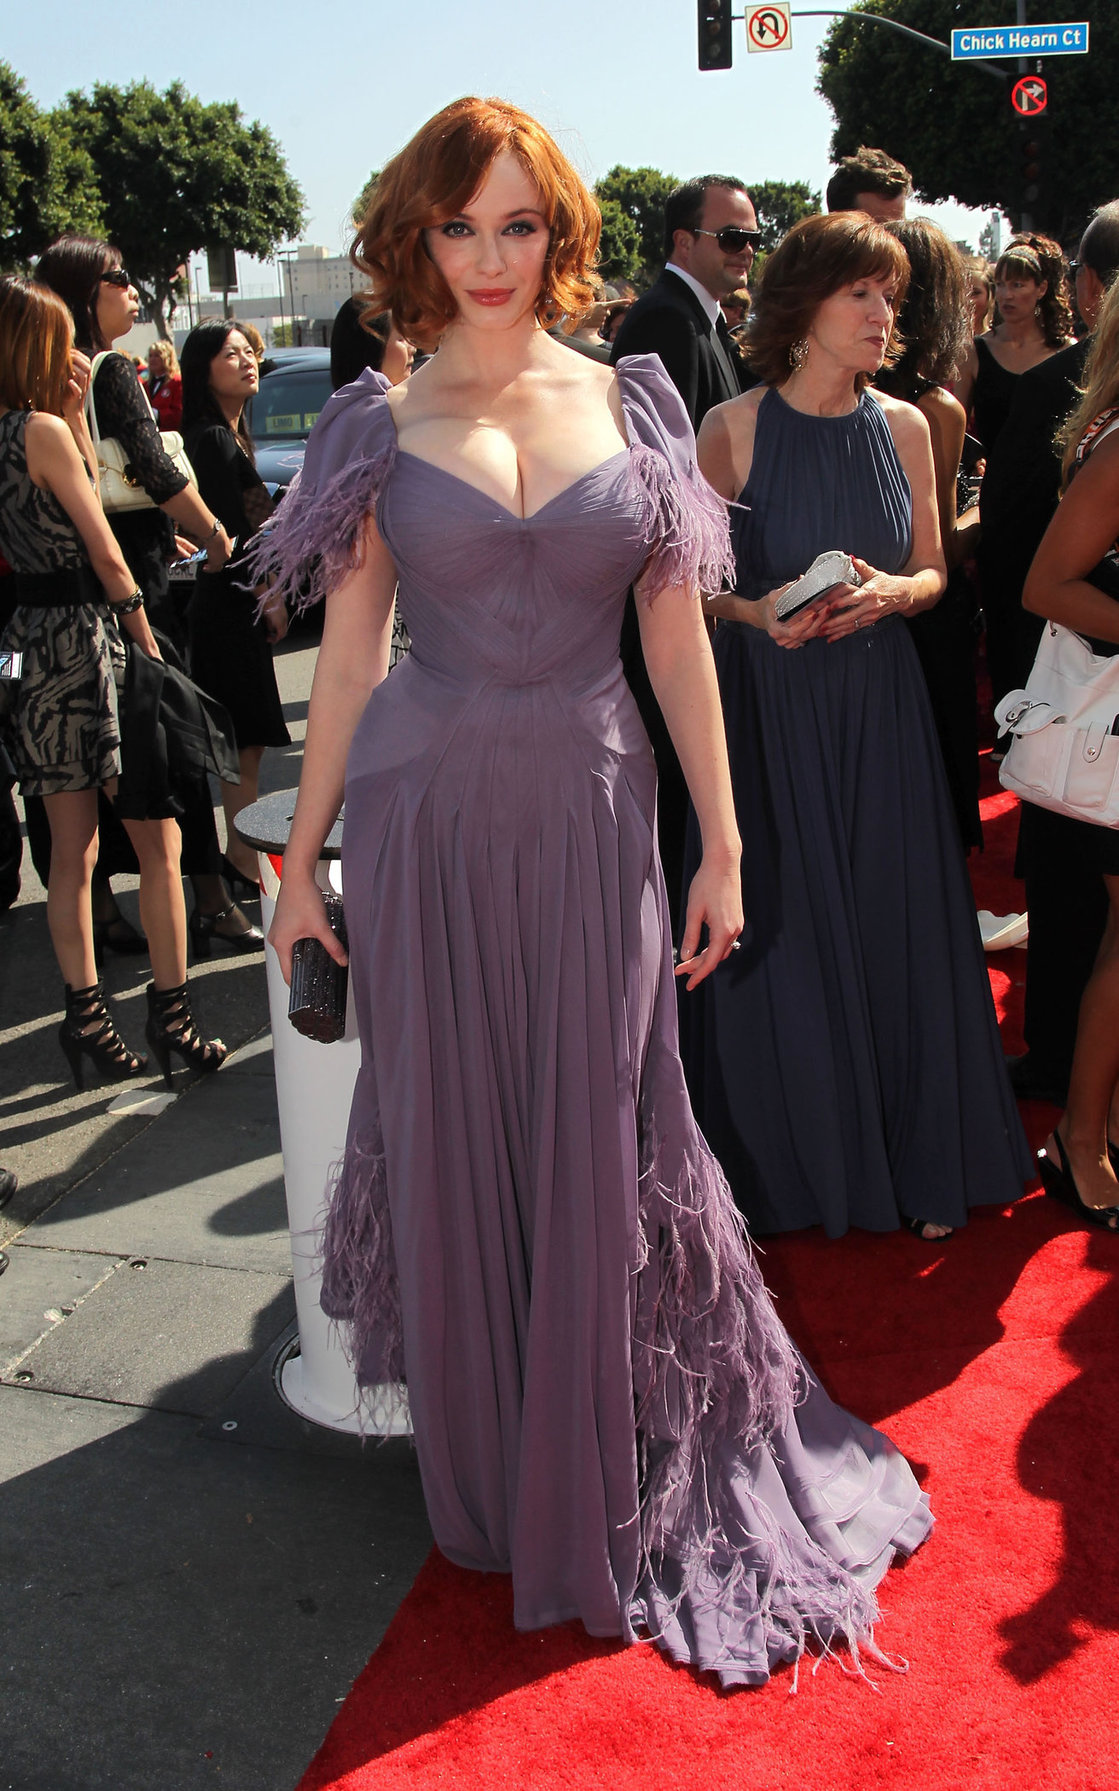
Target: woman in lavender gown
x=528, y=1228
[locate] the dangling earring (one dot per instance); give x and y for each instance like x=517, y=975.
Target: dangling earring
x=1037, y=310
x=798, y=354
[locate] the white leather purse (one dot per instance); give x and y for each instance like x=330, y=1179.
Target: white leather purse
x=119, y=486
x=1064, y=755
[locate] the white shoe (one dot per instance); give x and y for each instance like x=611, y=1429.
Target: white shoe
x=1000, y=931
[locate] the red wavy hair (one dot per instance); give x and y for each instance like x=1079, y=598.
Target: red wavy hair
x=433, y=178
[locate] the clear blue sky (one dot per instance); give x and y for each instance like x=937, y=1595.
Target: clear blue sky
x=343, y=83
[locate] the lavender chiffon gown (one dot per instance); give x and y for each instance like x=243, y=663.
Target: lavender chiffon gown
x=528, y=1228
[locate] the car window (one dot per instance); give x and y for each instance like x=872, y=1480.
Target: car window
x=288, y=403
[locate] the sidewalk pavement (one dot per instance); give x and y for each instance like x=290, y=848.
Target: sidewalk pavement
x=191, y=1575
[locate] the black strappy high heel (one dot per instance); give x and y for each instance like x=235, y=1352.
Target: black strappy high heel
x=205, y=929
x=88, y=1031
x=171, y=1028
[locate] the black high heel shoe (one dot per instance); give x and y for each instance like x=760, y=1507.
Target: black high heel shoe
x=242, y=888
x=1059, y=1181
x=171, y=1028
x=88, y=1031
x=206, y=928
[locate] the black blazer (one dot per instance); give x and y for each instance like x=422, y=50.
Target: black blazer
x=669, y=321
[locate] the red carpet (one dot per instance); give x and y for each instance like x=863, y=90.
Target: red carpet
x=990, y=1361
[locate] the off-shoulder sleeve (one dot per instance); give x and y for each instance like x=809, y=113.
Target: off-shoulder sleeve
x=314, y=538
x=687, y=522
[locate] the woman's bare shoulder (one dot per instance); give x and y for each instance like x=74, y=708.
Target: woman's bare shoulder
x=906, y=420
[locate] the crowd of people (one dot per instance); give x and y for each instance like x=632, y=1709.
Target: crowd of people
x=660, y=928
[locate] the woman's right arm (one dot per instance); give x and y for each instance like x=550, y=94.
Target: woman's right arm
x=963, y=386
x=1083, y=530
x=122, y=411
x=725, y=450
x=352, y=661
x=54, y=462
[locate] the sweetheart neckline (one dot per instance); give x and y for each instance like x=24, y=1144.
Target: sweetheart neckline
x=487, y=498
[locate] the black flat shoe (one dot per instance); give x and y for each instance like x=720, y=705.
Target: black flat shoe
x=222, y=926
x=917, y=1227
x=242, y=888
x=1058, y=1180
x=117, y=935
x=9, y=1182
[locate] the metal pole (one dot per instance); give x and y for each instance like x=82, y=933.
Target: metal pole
x=1025, y=218
x=922, y=37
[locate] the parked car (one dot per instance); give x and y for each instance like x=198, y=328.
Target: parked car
x=294, y=386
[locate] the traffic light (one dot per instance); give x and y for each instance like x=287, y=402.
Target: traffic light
x=1031, y=169
x=715, y=49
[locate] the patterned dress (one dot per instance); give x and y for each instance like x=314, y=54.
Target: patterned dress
x=59, y=722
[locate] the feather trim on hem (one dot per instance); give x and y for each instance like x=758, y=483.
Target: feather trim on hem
x=360, y=1287
x=722, y=1585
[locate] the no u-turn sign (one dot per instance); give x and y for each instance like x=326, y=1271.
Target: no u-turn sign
x=769, y=27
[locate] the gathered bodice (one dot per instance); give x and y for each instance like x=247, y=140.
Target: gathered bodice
x=817, y=484
x=487, y=594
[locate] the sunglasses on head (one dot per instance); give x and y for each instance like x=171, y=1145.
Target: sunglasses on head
x=117, y=276
x=732, y=238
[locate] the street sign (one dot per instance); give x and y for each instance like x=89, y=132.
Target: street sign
x=769, y=27
x=1029, y=96
x=983, y=41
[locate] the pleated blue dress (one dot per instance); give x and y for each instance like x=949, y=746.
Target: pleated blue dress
x=845, y=1065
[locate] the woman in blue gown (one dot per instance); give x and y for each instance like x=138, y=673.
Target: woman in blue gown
x=846, y=1067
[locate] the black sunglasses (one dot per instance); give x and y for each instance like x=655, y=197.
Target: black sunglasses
x=732, y=238
x=117, y=276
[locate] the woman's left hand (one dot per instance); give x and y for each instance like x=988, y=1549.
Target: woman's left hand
x=275, y=618
x=73, y=400
x=714, y=901
x=852, y=607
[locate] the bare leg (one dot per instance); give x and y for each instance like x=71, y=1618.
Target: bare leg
x=234, y=798
x=1093, y=1095
x=162, y=907
x=72, y=817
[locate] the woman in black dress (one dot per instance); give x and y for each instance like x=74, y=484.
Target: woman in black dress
x=1074, y=580
x=230, y=647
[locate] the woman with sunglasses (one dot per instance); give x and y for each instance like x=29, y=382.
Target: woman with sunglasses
x=846, y=1066
x=103, y=302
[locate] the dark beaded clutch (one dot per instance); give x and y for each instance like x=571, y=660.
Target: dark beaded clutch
x=317, y=1002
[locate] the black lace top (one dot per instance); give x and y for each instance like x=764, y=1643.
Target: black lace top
x=122, y=411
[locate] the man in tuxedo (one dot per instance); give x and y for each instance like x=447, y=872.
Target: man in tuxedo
x=1021, y=487
x=710, y=230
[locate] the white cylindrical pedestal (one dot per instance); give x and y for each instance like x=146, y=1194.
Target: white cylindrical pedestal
x=314, y=1088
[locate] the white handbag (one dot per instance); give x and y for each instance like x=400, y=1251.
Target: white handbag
x=119, y=486
x=1064, y=755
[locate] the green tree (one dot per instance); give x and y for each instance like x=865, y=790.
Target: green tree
x=781, y=204
x=953, y=125
x=178, y=175
x=619, y=250
x=639, y=194
x=361, y=203
x=47, y=185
